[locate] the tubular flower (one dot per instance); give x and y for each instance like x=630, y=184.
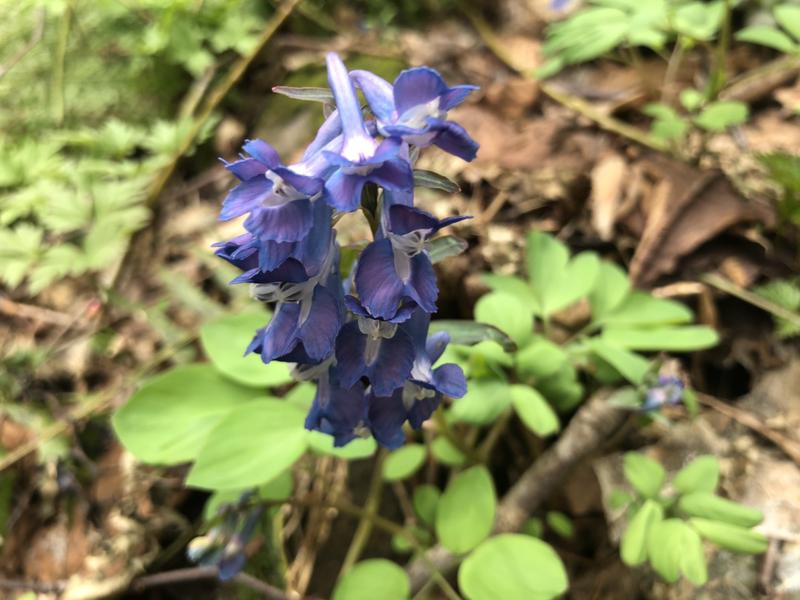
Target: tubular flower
x=369, y=352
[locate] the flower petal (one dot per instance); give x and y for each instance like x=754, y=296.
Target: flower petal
x=395, y=174
x=263, y=152
x=279, y=337
x=328, y=131
x=246, y=168
x=393, y=365
x=320, y=329
x=346, y=101
x=405, y=219
x=422, y=410
x=386, y=418
x=245, y=197
x=350, y=354
x=449, y=380
x=455, y=96
x=378, y=92
x=422, y=287
x=344, y=191
x=378, y=285
x=417, y=86
x=310, y=186
x=436, y=344
x=453, y=138
x=288, y=222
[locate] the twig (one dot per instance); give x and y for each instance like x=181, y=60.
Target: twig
x=200, y=573
x=34, y=586
x=579, y=105
x=34, y=313
x=789, y=447
x=757, y=83
x=593, y=424
x=36, y=37
x=731, y=288
x=361, y=535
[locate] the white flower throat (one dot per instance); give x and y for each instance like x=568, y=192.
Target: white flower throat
x=376, y=331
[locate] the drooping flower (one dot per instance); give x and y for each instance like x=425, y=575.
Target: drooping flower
x=398, y=267
x=415, y=109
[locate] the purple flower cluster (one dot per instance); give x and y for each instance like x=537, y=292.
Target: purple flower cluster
x=363, y=338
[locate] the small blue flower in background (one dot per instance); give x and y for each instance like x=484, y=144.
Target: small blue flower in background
x=668, y=391
x=363, y=339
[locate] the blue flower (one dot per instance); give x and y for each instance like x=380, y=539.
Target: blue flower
x=667, y=392
x=398, y=267
x=415, y=109
x=361, y=159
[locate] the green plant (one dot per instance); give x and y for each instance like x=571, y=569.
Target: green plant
x=783, y=34
x=786, y=294
x=784, y=169
x=713, y=117
x=667, y=524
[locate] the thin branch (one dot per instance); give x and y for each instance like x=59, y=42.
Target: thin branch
x=593, y=424
x=731, y=288
x=202, y=573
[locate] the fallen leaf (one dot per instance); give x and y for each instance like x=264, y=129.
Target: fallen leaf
x=609, y=177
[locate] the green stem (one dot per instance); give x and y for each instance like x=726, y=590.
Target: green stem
x=57, y=82
x=719, y=75
x=485, y=449
x=443, y=427
x=361, y=536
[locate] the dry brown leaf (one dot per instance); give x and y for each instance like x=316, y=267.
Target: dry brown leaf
x=689, y=207
x=608, y=181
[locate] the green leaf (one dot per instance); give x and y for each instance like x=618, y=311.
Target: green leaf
x=469, y=333
x=250, y=446
x=765, y=35
x=631, y=366
x=485, y=400
x=445, y=246
x=710, y=506
x=507, y=313
x=224, y=341
x=675, y=549
x=691, y=99
x=633, y=547
x=446, y=453
x=610, y=289
x=731, y=537
x=534, y=410
x=169, y=418
x=425, y=501
x=278, y=489
x=700, y=475
x=435, y=181
x=788, y=16
x=372, y=579
x=540, y=359
x=313, y=94
x=698, y=20
x=563, y=389
x=404, y=462
x=466, y=510
x=641, y=309
x=718, y=116
x=644, y=474
x=514, y=286
x=513, y=567
x=668, y=339
x=560, y=523
x=547, y=259
x=322, y=443
x=575, y=282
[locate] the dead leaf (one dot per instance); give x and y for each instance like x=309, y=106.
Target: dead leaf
x=687, y=208
x=609, y=177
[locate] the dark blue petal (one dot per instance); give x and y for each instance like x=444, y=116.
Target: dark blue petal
x=313, y=250
x=344, y=191
x=320, y=329
x=350, y=344
x=240, y=252
x=288, y=222
x=393, y=365
x=395, y=174
x=246, y=168
x=272, y=254
x=449, y=380
x=404, y=219
x=417, y=86
x=310, y=186
x=386, y=417
x=455, y=96
x=377, y=91
x=422, y=286
x=230, y=566
x=279, y=337
x=377, y=282
x=263, y=152
x=245, y=197
x=338, y=411
x=422, y=410
x=436, y=344
x=453, y=138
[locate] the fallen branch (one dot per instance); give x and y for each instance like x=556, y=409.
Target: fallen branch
x=594, y=423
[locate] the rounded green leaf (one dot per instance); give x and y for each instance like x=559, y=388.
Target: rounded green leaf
x=633, y=548
x=168, y=419
x=484, y=401
x=560, y=523
x=508, y=313
x=446, y=453
x=373, y=579
x=252, y=445
x=671, y=339
x=630, y=365
x=512, y=567
x=675, y=549
x=224, y=341
x=640, y=309
x=575, y=282
x=534, y=410
x=541, y=358
x=644, y=474
x=403, y=462
x=788, y=16
x=718, y=116
x=466, y=510
x=610, y=289
x=731, y=537
x=700, y=475
x=425, y=500
x=764, y=35
x=359, y=448
x=710, y=506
